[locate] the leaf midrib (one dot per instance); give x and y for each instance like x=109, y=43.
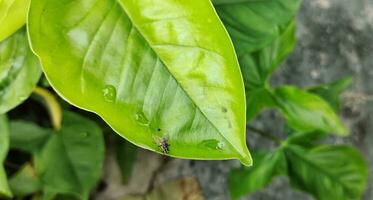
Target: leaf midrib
x=337, y=180
x=181, y=87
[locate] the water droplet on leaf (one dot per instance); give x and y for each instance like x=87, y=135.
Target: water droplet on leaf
x=110, y=93
x=141, y=119
x=220, y=145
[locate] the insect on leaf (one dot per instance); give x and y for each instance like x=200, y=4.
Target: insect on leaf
x=148, y=69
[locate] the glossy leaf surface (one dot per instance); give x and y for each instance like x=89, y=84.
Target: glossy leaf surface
x=247, y=180
x=328, y=172
x=12, y=16
x=70, y=163
x=19, y=71
x=4, y=147
x=307, y=112
x=149, y=70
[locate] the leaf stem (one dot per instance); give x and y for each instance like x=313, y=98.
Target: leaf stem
x=264, y=134
x=54, y=108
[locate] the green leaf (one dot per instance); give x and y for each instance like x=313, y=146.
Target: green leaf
x=257, y=100
x=149, y=69
x=126, y=155
x=71, y=160
x=257, y=67
x=247, y=180
x=331, y=92
x=27, y=136
x=253, y=25
x=307, y=112
x=19, y=71
x=263, y=33
x=25, y=182
x=307, y=139
x=328, y=172
x=4, y=147
x=12, y=16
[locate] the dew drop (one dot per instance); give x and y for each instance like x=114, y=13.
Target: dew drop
x=141, y=119
x=220, y=145
x=110, y=93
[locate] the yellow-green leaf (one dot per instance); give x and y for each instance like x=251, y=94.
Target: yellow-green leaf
x=158, y=72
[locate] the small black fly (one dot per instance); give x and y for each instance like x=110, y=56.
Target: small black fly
x=164, y=145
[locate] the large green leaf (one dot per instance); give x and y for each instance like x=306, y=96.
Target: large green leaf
x=254, y=24
x=12, y=16
x=19, y=71
x=307, y=112
x=154, y=70
x=328, y=172
x=247, y=180
x=332, y=92
x=71, y=160
x=4, y=147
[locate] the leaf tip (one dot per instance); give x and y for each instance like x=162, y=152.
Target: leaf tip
x=246, y=160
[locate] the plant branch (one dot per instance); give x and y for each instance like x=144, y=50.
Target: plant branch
x=264, y=134
x=52, y=105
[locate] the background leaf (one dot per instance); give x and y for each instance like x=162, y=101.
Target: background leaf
x=307, y=112
x=253, y=25
x=263, y=33
x=247, y=180
x=126, y=155
x=12, y=16
x=4, y=147
x=19, y=71
x=123, y=62
x=328, y=172
x=332, y=92
x=27, y=136
x=71, y=161
x=25, y=182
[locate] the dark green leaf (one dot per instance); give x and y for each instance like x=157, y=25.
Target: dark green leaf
x=331, y=92
x=307, y=112
x=328, y=172
x=254, y=25
x=25, y=182
x=12, y=16
x=258, y=66
x=146, y=66
x=247, y=180
x=257, y=100
x=27, y=136
x=308, y=139
x=19, y=71
x=4, y=147
x=126, y=155
x=71, y=160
